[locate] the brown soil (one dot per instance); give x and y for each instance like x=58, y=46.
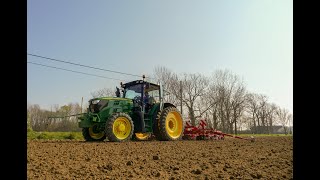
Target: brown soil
x=266, y=158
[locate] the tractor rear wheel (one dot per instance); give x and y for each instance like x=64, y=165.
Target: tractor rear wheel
x=119, y=127
x=170, y=124
x=93, y=133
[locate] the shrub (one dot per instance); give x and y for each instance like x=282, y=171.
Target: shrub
x=71, y=136
x=29, y=129
x=43, y=136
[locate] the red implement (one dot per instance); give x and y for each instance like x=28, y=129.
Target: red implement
x=201, y=132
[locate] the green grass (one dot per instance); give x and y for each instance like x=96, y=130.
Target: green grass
x=263, y=135
x=78, y=135
x=54, y=135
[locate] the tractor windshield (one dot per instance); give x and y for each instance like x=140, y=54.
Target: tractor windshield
x=133, y=91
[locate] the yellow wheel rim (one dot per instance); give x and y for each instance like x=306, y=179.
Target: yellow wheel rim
x=95, y=135
x=174, y=124
x=121, y=128
x=142, y=136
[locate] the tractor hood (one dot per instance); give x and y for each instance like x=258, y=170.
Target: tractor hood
x=110, y=98
x=97, y=104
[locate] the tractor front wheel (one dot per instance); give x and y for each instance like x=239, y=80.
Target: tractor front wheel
x=119, y=127
x=93, y=133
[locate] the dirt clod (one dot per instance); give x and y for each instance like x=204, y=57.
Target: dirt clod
x=155, y=157
x=197, y=171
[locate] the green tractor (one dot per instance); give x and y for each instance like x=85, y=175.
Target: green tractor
x=130, y=115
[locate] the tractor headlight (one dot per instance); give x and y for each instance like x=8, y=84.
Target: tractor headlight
x=97, y=105
x=95, y=101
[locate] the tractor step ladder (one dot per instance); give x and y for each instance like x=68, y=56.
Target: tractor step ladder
x=147, y=123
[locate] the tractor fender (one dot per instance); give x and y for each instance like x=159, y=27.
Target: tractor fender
x=156, y=108
x=168, y=105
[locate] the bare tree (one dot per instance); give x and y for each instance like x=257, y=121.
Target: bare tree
x=68, y=122
x=193, y=87
x=213, y=99
x=36, y=116
x=222, y=99
x=227, y=94
x=284, y=118
x=170, y=84
x=57, y=119
x=290, y=119
x=253, y=109
x=105, y=92
x=246, y=121
x=205, y=106
x=238, y=104
x=262, y=113
x=270, y=115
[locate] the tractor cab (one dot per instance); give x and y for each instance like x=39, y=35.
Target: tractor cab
x=146, y=99
x=144, y=94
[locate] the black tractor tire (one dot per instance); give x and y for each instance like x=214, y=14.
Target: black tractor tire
x=87, y=137
x=170, y=124
x=155, y=128
x=128, y=128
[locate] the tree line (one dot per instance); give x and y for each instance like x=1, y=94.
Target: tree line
x=222, y=99
x=57, y=119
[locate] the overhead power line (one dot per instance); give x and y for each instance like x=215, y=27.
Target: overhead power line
x=74, y=71
x=77, y=64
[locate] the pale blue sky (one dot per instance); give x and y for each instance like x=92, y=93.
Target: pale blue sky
x=252, y=38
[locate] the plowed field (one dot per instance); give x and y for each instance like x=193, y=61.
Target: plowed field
x=266, y=158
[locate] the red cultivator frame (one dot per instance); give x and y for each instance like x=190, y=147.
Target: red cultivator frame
x=201, y=132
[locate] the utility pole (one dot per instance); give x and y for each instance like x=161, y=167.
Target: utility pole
x=81, y=104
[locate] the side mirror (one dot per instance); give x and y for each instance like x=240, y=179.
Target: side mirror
x=118, y=92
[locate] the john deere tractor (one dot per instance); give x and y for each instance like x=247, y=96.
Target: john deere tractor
x=129, y=116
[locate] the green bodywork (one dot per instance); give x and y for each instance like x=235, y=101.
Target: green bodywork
x=114, y=105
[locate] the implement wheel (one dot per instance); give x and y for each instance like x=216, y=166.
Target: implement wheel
x=170, y=124
x=141, y=136
x=119, y=127
x=93, y=133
